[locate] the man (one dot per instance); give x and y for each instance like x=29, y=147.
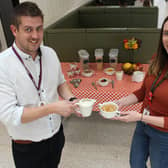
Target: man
x=29, y=92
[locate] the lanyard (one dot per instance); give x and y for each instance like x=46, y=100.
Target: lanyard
x=154, y=86
x=29, y=73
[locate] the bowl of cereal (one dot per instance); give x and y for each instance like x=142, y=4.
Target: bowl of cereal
x=88, y=72
x=109, y=109
x=109, y=71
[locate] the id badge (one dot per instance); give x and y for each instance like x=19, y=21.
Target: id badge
x=146, y=111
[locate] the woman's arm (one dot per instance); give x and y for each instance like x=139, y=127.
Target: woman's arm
x=128, y=100
x=132, y=116
x=154, y=120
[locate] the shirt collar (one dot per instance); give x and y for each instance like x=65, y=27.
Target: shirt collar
x=25, y=55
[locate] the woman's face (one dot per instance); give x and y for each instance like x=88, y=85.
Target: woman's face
x=165, y=36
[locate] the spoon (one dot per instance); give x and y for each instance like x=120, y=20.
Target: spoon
x=94, y=85
x=112, y=83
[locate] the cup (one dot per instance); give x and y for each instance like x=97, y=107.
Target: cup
x=85, y=107
x=119, y=75
x=109, y=110
x=138, y=76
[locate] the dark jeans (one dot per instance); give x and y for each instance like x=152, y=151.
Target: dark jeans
x=149, y=142
x=43, y=154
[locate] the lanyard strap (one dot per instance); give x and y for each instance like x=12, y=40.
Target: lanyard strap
x=154, y=86
x=29, y=73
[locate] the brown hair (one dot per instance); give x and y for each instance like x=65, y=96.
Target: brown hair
x=25, y=9
x=161, y=57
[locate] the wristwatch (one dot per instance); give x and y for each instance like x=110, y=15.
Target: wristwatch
x=72, y=98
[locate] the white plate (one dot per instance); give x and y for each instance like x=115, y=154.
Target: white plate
x=109, y=71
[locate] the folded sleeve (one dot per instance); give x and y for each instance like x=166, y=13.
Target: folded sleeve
x=10, y=112
x=166, y=122
x=140, y=93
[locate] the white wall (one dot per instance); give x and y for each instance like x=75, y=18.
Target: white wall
x=163, y=10
x=55, y=9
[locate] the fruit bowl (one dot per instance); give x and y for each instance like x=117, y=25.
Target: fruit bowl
x=129, y=68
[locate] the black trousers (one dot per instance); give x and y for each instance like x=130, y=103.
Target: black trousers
x=43, y=154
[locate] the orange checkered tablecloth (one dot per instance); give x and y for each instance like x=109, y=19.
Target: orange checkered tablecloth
x=107, y=93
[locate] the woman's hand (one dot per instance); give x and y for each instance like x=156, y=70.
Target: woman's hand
x=125, y=101
x=120, y=103
x=129, y=116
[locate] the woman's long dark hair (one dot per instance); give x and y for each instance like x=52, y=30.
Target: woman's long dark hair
x=161, y=58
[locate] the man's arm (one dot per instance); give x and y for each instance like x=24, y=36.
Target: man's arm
x=65, y=91
x=63, y=108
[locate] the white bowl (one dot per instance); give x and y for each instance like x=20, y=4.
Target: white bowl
x=103, y=81
x=109, y=110
x=109, y=71
x=87, y=72
x=138, y=76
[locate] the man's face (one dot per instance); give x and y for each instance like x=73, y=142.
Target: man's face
x=29, y=35
x=165, y=36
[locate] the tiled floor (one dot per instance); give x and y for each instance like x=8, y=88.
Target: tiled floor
x=5, y=149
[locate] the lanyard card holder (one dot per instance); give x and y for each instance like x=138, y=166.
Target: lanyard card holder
x=146, y=111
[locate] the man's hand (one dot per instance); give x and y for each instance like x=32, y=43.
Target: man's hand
x=64, y=108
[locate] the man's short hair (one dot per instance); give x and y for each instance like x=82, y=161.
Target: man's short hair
x=25, y=9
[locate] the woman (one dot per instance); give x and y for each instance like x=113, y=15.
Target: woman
x=151, y=134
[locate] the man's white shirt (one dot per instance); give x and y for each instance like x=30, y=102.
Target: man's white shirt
x=18, y=91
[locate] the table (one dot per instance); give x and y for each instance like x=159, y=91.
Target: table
x=106, y=93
